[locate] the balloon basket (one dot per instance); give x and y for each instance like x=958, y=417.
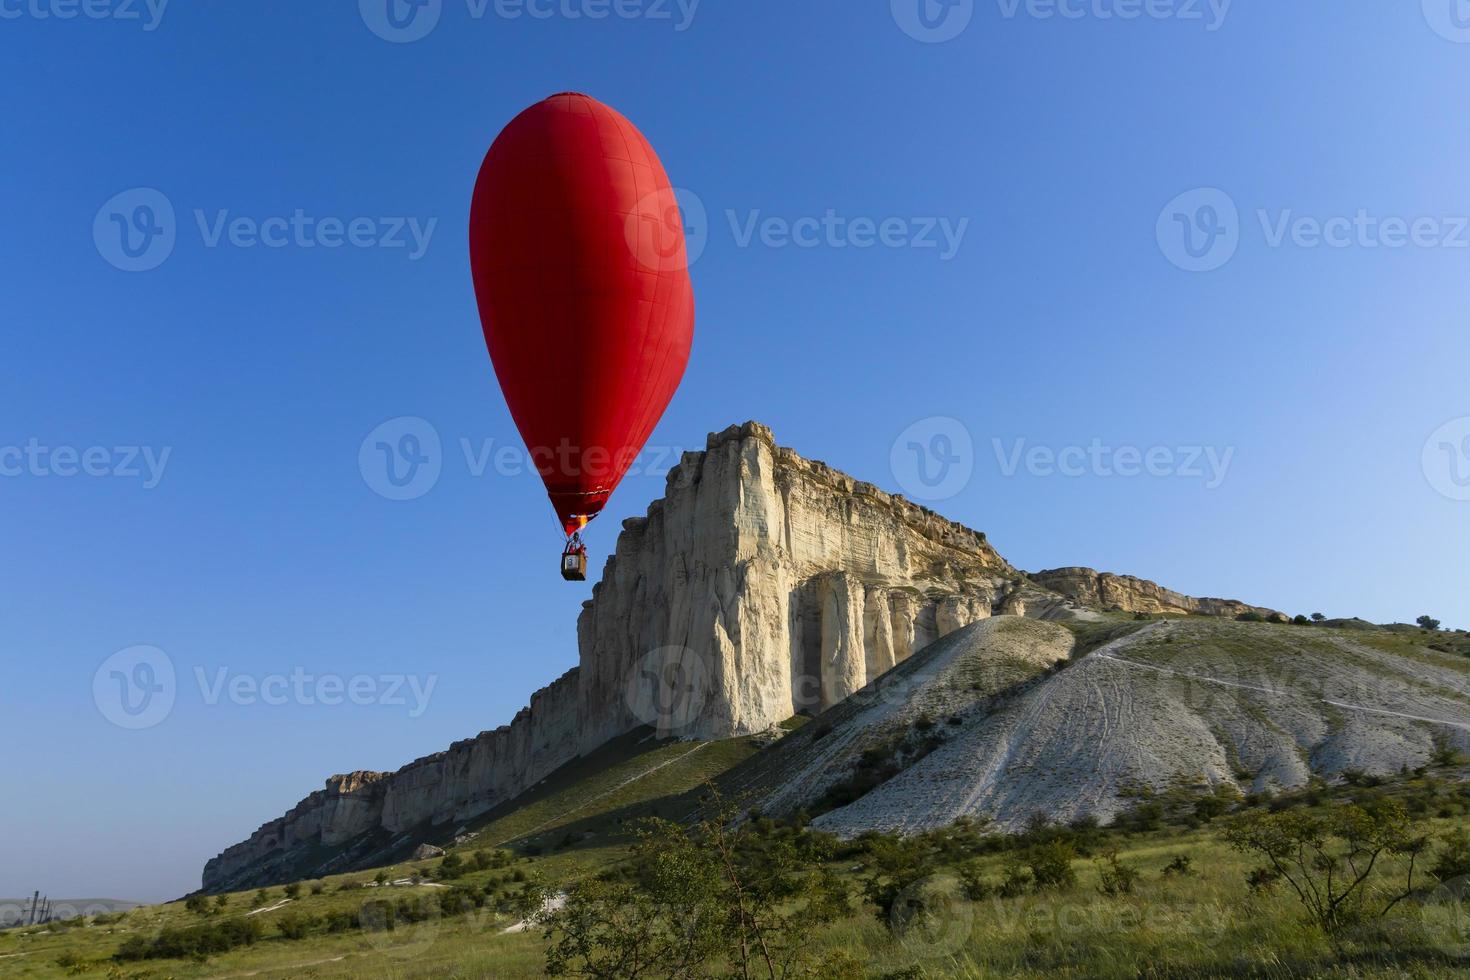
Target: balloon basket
x=574, y=565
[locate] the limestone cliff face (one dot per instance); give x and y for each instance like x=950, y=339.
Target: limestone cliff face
x=777, y=585
x=762, y=585
x=1103, y=590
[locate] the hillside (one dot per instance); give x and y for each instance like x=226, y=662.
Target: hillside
x=762, y=586
x=1007, y=718
x=1111, y=707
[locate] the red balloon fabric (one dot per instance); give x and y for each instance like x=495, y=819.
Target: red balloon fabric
x=577, y=249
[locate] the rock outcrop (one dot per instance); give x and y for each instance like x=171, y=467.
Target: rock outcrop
x=761, y=586
x=1104, y=590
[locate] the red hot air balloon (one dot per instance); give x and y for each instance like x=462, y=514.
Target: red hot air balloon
x=577, y=248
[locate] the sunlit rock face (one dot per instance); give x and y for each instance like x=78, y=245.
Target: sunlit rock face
x=779, y=583
x=762, y=585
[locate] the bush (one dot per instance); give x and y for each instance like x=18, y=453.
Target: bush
x=975, y=885
x=293, y=889
x=317, y=887
x=1115, y=877
x=296, y=926
x=1454, y=860
x=1182, y=865
x=1051, y=865
x=1342, y=865
x=341, y=921
x=198, y=904
x=195, y=942
x=1428, y=623
x=1015, y=879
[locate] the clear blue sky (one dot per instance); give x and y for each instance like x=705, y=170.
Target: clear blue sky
x=1061, y=319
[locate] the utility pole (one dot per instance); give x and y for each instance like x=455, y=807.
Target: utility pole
x=31, y=917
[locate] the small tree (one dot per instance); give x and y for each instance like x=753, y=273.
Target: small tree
x=1428, y=622
x=293, y=889
x=1318, y=618
x=1343, y=866
x=715, y=892
x=198, y=904
x=220, y=901
x=381, y=878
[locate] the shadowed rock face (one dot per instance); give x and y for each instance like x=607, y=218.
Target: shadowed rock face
x=762, y=585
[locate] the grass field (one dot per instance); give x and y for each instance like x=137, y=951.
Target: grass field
x=580, y=823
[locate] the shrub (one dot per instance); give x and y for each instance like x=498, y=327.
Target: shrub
x=317, y=887
x=293, y=889
x=262, y=897
x=974, y=884
x=1051, y=865
x=451, y=867
x=1115, y=877
x=341, y=921
x=196, y=942
x=1342, y=865
x=293, y=925
x=1015, y=879
x=220, y=901
x=1301, y=621
x=198, y=904
x=1428, y=623
x=1454, y=860
x=1182, y=865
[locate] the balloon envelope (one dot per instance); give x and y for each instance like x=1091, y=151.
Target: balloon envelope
x=577, y=249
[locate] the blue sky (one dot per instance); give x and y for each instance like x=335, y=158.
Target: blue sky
x=1066, y=155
